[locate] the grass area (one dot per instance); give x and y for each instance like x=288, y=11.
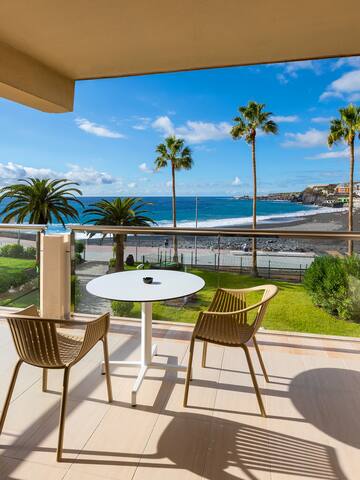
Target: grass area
x=14, y=272
x=9, y=266
x=291, y=310
x=32, y=298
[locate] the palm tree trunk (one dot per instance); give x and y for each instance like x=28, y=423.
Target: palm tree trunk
x=119, y=253
x=254, y=258
x=175, y=246
x=351, y=195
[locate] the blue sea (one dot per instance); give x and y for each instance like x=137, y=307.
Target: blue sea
x=215, y=211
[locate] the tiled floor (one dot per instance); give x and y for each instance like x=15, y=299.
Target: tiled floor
x=312, y=430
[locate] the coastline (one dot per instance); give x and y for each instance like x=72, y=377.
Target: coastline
x=333, y=220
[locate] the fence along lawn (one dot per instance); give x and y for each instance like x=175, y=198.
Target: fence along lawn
x=291, y=310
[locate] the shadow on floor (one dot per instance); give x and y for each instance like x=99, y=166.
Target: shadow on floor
x=335, y=394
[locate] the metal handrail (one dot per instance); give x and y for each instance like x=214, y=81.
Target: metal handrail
x=22, y=226
x=214, y=232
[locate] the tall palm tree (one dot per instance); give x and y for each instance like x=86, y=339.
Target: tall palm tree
x=40, y=201
x=252, y=118
x=174, y=152
x=346, y=129
x=120, y=212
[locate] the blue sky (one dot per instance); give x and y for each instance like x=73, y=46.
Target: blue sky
x=108, y=143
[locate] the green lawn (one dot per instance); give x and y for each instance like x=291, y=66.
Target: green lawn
x=13, y=273
x=291, y=310
x=32, y=298
x=13, y=265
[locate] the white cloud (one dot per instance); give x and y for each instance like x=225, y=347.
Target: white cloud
x=131, y=185
x=347, y=86
x=311, y=138
x=95, y=129
x=344, y=153
x=143, y=123
x=10, y=172
x=168, y=184
x=347, y=62
x=88, y=176
x=291, y=69
x=164, y=125
x=321, y=119
x=285, y=118
x=193, y=131
x=15, y=171
x=236, y=181
x=144, y=168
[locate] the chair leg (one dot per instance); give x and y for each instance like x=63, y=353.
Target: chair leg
x=44, y=379
x=203, y=360
x=107, y=368
x=253, y=377
x=9, y=394
x=63, y=413
x=188, y=372
x=262, y=364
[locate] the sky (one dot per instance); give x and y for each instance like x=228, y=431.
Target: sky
x=108, y=142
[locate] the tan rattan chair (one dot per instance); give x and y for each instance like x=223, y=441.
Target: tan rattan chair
x=38, y=342
x=227, y=323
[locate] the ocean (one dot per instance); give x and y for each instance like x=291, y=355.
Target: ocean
x=215, y=211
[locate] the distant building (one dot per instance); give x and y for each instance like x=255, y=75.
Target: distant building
x=343, y=189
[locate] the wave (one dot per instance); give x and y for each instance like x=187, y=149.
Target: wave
x=232, y=222
x=262, y=219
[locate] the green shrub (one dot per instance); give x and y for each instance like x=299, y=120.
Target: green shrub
x=333, y=284
x=75, y=290
x=15, y=250
x=79, y=246
x=78, y=258
x=121, y=309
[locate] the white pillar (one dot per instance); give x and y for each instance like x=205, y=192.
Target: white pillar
x=55, y=276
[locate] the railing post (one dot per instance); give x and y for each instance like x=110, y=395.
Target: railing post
x=55, y=276
x=269, y=269
x=191, y=260
x=300, y=272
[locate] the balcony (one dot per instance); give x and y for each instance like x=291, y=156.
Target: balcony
x=313, y=417
x=312, y=428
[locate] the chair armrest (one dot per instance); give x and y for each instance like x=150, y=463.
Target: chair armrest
x=69, y=323
x=96, y=329
x=244, y=290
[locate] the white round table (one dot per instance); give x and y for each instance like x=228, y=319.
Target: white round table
x=129, y=287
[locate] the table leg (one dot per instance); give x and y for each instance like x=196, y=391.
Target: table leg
x=148, y=350
x=146, y=333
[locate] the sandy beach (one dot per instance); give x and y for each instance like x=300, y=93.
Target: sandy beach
x=146, y=244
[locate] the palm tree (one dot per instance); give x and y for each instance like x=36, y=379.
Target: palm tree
x=346, y=128
x=174, y=152
x=40, y=201
x=120, y=212
x=252, y=119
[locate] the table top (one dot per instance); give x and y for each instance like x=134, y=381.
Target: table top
x=129, y=286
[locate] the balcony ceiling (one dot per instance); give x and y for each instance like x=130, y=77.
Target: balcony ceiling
x=45, y=46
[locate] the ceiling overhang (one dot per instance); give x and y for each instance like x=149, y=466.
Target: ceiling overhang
x=46, y=46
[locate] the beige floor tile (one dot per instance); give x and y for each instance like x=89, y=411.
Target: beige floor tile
x=176, y=449
x=115, y=448
x=11, y=469
x=311, y=431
